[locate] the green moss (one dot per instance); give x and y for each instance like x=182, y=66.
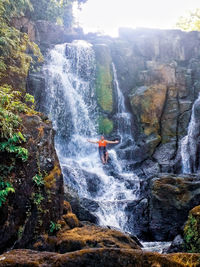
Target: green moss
x=104, y=78
x=192, y=231
x=105, y=126
x=104, y=88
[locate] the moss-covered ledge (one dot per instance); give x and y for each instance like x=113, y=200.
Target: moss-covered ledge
x=104, y=78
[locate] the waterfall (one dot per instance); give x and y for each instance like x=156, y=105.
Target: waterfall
x=123, y=116
x=71, y=105
x=190, y=143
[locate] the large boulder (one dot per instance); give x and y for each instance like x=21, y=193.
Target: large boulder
x=171, y=198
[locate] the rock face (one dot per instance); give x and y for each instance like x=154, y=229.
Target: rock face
x=45, y=33
x=97, y=257
x=31, y=208
x=170, y=201
x=158, y=72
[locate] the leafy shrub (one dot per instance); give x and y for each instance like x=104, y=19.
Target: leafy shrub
x=12, y=104
x=5, y=189
x=192, y=232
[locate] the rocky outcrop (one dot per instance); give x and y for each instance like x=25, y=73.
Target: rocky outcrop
x=46, y=33
x=32, y=207
x=49, y=34
x=97, y=257
x=84, y=237
x=163, y=210
x=171, y=198
x=158, y=72
x=74, y=235
x=147, y=104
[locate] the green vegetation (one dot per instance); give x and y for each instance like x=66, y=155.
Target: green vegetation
x=54, y=227
x=190, y=22
x=59, y=11
x=14, y=66
x=104, y=88
x=104, y=78
x=37, y=199
x=38, y=179
x=14, y=61
x=5, y=189
x=105, y=126
x=192, y=232
x=12, y=104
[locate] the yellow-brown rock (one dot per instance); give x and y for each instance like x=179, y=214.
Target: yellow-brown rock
x=71, y=220
x=100, y=257
x=147, y=103
x=93, y=236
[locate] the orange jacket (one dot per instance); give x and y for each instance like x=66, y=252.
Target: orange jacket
x=102, y=143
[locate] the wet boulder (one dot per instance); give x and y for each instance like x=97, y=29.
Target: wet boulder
x=171, y=198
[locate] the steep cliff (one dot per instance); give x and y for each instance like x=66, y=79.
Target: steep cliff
x=38, y=184
x=159, y=74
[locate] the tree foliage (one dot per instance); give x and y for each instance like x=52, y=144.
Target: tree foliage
x=190, y=22
x=53, y=10
x=14, y=61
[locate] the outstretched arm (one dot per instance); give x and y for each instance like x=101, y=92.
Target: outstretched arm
x=93, y=142
x=112, y=142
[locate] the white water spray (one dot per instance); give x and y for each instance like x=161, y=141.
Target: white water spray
x=189, y=143
x=71, y=104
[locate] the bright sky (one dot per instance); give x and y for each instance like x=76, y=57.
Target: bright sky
x=107, y=16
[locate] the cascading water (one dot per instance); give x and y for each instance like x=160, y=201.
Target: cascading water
x=71, y=105
x=190, y=143
x=123, y=117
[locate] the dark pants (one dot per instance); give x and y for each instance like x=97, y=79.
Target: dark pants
x=102, y=151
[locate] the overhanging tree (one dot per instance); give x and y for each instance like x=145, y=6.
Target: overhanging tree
x=190, y=22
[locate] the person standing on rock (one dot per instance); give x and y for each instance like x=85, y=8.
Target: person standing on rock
x=103, y=153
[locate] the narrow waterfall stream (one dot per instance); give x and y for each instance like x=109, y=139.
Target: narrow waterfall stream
x=190, y=143
x=123, y=117
x=71, y=105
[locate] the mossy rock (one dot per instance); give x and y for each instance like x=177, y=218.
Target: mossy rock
x=147, y=104
x=105, y=125
x=104, y=78
x=192, y=231
x=90, y=257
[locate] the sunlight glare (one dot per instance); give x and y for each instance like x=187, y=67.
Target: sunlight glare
x=106, y=16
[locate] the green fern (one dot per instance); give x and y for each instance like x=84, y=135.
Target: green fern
x=38, y=179
x=54, y=227
x=6, y=188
